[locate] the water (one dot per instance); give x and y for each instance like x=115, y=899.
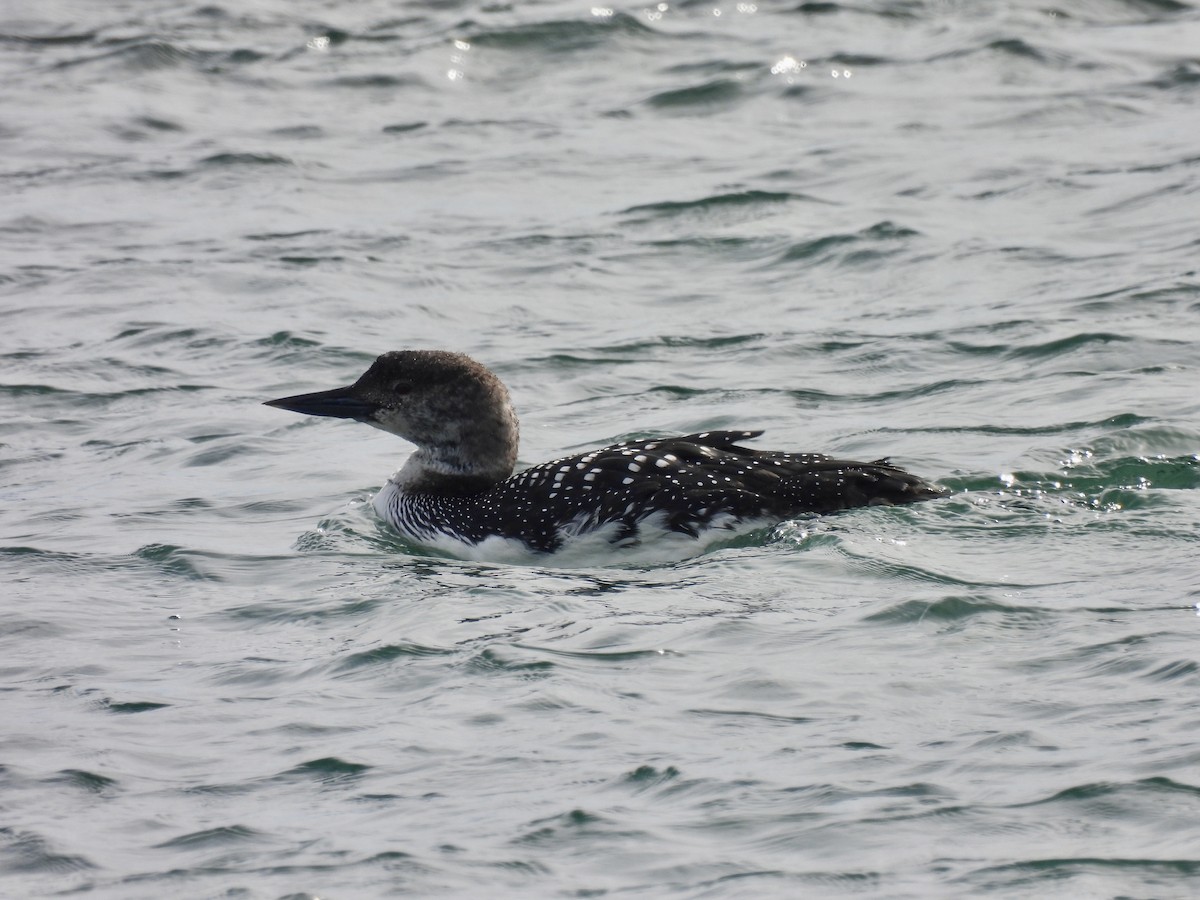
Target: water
x=962, y=235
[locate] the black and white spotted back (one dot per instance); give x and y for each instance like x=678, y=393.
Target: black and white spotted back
x=689, y=484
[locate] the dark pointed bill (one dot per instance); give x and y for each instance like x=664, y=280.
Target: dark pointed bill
x=340, y=403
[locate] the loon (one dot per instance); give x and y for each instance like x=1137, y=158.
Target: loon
x=458, y=490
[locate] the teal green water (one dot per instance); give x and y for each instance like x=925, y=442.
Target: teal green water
x=973, y=250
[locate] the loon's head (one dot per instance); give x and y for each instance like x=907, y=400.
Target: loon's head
x=454, y=409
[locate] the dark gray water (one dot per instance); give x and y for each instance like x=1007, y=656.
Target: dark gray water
x=963, y=235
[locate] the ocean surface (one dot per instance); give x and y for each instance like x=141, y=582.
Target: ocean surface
x=962, y=235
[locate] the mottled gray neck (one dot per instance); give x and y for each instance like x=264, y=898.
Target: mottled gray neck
x=471, y=458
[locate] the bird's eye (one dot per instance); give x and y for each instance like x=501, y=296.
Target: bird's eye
x=402, y=387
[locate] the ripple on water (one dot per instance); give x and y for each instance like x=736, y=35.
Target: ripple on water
x=24, y=851
x=326, y=770
x=756, y=201
x=209, y=838
x=956, y=609
x=89, y=782
x=562, y=36
x=1086, y=874
x=368, y=662
x=709, y=96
